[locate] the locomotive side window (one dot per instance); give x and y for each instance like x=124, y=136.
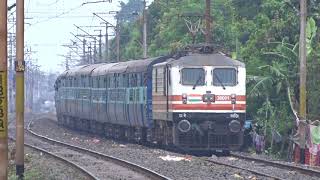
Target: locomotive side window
x=224, y=76
x=192, y=76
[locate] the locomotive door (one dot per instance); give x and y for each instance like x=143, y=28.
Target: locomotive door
x=160, y=93
x=166, y=88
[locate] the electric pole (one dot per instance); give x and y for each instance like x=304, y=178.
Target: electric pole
x=107, y=35
x=90, y=54
x=100, y=45
x=84, y=50
x=3, y=92
x=208, y=22
x=144, y=18
x=107, y=43
x=20, y=68
x=118, y=38
x=303, y=58
x=94, y=52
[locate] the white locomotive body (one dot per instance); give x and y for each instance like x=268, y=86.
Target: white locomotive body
x=204, y=97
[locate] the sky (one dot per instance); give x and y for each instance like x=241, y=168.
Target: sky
x=48, y=24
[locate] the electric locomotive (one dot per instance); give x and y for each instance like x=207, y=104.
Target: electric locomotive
x=193, y=100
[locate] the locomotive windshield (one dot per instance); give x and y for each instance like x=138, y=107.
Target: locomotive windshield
x=224, y=77
x=192, y=76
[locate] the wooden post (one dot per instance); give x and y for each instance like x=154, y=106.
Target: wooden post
x=3, y=92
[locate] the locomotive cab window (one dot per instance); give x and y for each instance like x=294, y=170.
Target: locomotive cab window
x=224, y=76
x=192, y=76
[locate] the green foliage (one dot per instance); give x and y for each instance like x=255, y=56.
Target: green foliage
x=130, y=10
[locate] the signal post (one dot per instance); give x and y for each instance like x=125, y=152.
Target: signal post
x=3, y=92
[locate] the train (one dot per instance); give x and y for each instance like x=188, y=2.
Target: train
x=194, y=100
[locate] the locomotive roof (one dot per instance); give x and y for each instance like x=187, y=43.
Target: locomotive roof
x=206, y=60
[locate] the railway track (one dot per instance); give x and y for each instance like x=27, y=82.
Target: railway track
x=66, y=161
x=266, y=168
x=259, y=173
x=137, y=172
x=306, y=171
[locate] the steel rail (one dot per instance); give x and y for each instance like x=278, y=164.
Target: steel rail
x=135, y=167
x=84, y=171
x=310, y=172
x=245, y=169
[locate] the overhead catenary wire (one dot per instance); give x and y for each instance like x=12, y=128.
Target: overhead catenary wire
x=60, y=12
x=59, y=15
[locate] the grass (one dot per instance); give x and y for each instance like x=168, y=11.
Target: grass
x=31, y=172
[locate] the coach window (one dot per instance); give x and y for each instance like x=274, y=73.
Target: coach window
x=114, y=81
x=164, y=81
x=138, y=79
x=108, y=82
x=123, y=83
x=193, y=76
x=104, y=83
x=145, y=79
x=224, y=76
x=135, y=80
x=156, y=79
x=83, y=79
x=102, y=80
x=118, y=80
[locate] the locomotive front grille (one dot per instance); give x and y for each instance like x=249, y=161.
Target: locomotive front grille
x=210, y=132
x=218, y=140
x=209, y=140
x=192, y=140
x=234, y=139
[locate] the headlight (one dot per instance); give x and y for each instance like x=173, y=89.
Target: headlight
x=235, y=126
x=184, y=126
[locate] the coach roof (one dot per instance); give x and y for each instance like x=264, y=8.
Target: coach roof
x=86, y=70
x=103, y=69
x=132, y=66
x=73, y=71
